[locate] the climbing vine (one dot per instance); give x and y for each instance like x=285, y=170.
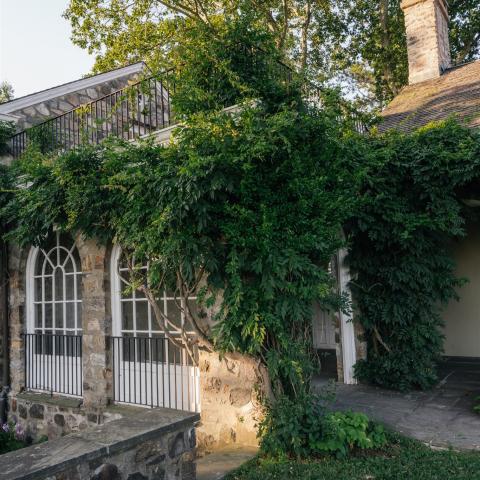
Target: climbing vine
x=243, y=210
x=412, y=205
x=246, y=209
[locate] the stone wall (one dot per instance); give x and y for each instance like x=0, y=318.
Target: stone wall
x=3, y=316
x=17, y=260
x=229, y=405
x=154, y=444
x=44, y=416
x=34, y=114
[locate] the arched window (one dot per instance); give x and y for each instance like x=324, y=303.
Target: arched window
x=133, y=316
x=54, y=277
x=53, y=343
x=148, y=368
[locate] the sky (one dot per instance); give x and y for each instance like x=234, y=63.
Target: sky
x=35, y=47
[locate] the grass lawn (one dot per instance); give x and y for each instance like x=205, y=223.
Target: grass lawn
x=403, y=459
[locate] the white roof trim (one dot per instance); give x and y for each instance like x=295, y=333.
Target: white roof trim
x=4, y=117
x=54, y=92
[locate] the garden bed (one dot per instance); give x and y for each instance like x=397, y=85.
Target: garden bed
x=403, y=459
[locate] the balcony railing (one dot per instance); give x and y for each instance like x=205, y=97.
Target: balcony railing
x=148, y=371
x=154, y=372
x=145, y=107
x=129, y=113
x=53, y=363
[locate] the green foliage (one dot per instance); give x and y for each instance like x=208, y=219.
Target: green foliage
x=401, y=459
x=360, y=43
x=238, y=63
x=294, y=428
x=7, y=129
x=403, y=270
x=303, y=428
x=41, y=137
x=347, y=431
x=209, y=202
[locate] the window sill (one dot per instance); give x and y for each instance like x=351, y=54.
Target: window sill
x=57, y=400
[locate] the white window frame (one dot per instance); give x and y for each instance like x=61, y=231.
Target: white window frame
x=30, y=290
x=49, y=371
x=189, y=396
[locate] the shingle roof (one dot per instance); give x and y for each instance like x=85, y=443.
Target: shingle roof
x=455, y=93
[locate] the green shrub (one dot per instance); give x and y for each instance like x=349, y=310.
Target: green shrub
x=346, y=431
x=303, y=428
x=293, y=428
x=7, y=129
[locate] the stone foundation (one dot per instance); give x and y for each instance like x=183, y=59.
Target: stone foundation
x=156, y=444
x=53, y=417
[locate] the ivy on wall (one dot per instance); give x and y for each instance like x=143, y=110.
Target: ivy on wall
x=254, y=204
x=409, y=211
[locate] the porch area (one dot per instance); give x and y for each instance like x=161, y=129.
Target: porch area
x=441, y=417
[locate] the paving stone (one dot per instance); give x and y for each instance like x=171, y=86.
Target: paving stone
x=441, y=417
x=215, y=466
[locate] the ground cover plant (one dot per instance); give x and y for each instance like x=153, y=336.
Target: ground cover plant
x=402, y=459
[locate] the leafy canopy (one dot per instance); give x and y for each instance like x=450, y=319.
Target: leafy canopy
x=358, y=44
x=245, y=208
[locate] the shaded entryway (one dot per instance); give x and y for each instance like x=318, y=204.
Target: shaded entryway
x=441, y=417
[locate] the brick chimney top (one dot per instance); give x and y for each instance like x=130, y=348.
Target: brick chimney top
x=426, y=23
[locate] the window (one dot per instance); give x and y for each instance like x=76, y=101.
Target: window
x=57, y=300
x=148, y=368
x=53, y=344
x=135, y=313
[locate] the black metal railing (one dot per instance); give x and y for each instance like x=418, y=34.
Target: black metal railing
x=129, y=113
x=53, y=363
x=146, y=106
x=154, y=372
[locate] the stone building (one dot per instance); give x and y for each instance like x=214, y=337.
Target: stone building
x=77, y=344
x=80, y=344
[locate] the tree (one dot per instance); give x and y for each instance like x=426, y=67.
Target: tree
x=357, y=44
x=6, y=92
x=122, y=31
x=464, y=30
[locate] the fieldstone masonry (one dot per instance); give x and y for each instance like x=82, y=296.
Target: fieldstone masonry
x=96, y=324
x=156, y=444
x=52, y=417
x=17, y=266
x=229, y=403
x=426, y=23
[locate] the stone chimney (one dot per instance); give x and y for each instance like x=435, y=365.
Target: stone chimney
x=426, y=23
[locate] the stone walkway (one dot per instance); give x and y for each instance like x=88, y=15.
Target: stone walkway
x=441, y=417
x=215, y=466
